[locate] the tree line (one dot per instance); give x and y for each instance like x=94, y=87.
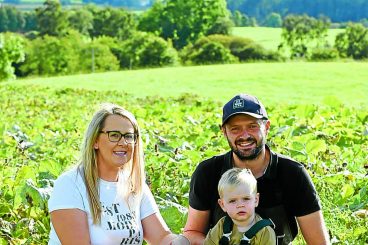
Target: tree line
x=133, y=4
x=64, y=41
x=54, y=41
x=259, y=10
x=336, y=10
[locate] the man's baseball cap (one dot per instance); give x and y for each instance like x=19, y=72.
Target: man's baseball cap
x=244, y=104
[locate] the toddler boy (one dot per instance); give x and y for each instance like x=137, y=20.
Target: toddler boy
x=238, y=198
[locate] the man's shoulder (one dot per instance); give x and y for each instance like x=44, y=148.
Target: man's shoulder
x=212, y=168
x=284, y=167
x=288, y=163
x=217, y=160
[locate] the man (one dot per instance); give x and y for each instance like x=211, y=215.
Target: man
x=287, y=194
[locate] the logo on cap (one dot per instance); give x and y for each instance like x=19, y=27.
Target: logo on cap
x=238, y=103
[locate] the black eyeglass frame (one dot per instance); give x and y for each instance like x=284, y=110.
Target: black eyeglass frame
x=121, y=136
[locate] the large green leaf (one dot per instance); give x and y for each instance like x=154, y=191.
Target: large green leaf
x=316, y=146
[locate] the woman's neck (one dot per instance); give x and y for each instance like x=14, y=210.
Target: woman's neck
x=110, y=176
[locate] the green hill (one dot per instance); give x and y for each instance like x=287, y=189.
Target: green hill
x=291, y=82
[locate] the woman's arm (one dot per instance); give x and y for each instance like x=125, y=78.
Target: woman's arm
x=155, y=231
x=71, y=226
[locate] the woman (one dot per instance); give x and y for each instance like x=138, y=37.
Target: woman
x=105, y=200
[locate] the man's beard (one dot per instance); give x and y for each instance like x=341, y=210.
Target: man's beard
x=251, y=154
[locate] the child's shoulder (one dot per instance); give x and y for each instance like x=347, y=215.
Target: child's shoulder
x=215, y=233
x=265, y=236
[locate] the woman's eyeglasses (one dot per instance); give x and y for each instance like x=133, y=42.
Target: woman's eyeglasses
x=115, y=136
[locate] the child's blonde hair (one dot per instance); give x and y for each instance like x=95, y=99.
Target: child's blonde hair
x=235, y=177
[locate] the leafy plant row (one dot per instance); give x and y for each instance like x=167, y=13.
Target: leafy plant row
x=41, y=130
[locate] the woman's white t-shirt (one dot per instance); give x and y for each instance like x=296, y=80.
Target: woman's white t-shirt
x=119, y=224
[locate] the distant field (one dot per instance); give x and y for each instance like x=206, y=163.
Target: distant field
x=25, y=2
x=30, y=5
x=270, y=38
x=281, y=83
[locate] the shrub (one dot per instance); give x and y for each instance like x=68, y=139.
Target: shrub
x=241, y=49
x=48, y=56
x=212, y=53
x=326, y=53
x=11, y=51
x=252, y=51
x=96, y=56
x=244, y=49
x=71, y=54
x=202, y=53
x=146, y=50
x=230, y=42
x=353, y=42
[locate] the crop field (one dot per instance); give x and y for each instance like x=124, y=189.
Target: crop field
x=318, y=113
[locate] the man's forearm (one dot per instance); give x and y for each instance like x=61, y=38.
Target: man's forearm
x=314, y=229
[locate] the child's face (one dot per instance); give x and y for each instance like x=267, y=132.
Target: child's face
x=239, y=202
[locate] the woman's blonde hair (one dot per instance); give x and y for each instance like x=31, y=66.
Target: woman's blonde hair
x=88, y=159
x=236, y=177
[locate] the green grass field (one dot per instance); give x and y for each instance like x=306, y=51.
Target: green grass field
x=281, y=83
x=270, y=38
